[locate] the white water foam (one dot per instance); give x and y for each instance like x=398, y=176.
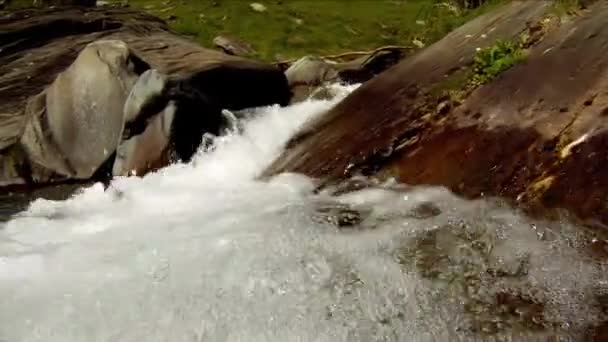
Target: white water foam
x=204, y=252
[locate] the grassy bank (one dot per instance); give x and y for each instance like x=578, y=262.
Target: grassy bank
x=292, y=28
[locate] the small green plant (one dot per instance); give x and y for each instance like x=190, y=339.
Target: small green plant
x=494, y=60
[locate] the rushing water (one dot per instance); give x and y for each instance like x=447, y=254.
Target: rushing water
x=204, y=252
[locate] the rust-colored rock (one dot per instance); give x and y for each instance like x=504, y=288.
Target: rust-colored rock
x=537, y=134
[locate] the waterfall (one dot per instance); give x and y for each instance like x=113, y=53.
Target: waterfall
x=205, y=252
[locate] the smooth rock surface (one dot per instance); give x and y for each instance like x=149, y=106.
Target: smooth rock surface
x=32, y=56
x=76, y=123
x=140, y=151
x=384, y=108
x=308, y=75
x=536, y=134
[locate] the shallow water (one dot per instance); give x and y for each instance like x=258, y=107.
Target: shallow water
x=204, y=252
x=13, y=202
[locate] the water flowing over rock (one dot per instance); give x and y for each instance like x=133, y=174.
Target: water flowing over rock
x=206, y=252
x=535, y=134
x=38, y=45
x=310, y=75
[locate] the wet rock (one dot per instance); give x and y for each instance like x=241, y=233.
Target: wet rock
x=393, y=97
x=514, y=266
x=146, y=95
x=352, y=185
x=341, y=216
x=598, y=333
x=602, y=300
x=148, y=116
x=545, y=144
x=167, y=119
x=75, y=124
x=233, y=46
x=424, y=210
x=598, y=249
x=369, y=65
x=462, y=261
x=33, y=57
x=308, y=75
x=13, y=167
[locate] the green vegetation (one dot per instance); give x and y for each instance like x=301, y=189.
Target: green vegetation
x=564, y=8
x=494, y=60
x=293, y=28
x=289, y=29
x=488, y=63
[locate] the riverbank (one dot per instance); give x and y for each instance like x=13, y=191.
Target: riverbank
x=281, y=30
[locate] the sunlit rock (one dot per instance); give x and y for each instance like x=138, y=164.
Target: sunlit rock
x=535, y=133
x=75, y=125
x=144, y=144
x=307, y=74
x=66, y=146
x=310, y=76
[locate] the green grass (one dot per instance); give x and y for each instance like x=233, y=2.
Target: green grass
x=290, y=29
x=494, y=60
x=488, y=64
x=293, y=28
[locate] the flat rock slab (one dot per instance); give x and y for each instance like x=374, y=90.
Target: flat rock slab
x=536, y=134
x=383, y=108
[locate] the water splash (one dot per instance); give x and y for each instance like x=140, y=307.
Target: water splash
x=203, y=252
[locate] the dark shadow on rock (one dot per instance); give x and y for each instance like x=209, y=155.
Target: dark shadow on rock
x=196, y=114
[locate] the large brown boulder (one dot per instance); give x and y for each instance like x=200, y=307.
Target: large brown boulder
x=38, y=45
x=536, y=134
